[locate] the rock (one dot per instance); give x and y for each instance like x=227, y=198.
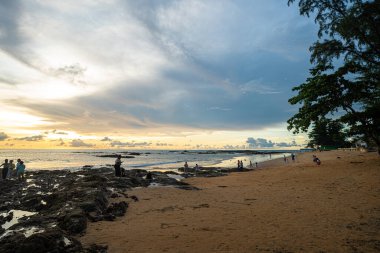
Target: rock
x=95, y=177
x=48, y=241
x=66, y=201
x=134, y=198
x=88, y=206
x=108, y=217
x=10, y=243
x=32, y=203
x=94, y=248
x=4, y=219
x=117, y=209
x=74, y=222
x=134, y=153
x=149, y=176
x=114, y=195
x=115, y=156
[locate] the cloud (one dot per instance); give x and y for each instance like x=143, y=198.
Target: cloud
x=259, y=143
x=73, y=73
x=130, y=144
x=31, y=138
x=228, y=146
x=3, y=136
x=61, y=133
x=164, y=144
x=172, y=64
x=55, y=131
x=286, y=144
x=264, y=143
x=106, y=139
x=61, y=142
x=80, y=143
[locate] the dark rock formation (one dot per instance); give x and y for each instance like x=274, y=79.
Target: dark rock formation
x=64, y=203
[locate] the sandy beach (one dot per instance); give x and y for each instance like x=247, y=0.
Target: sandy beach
x=280, y=207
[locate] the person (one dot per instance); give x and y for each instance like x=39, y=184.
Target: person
x=11, y=167
x=241, y=164
x=185, y=167
x=318, y=161
x=5, y=169
x=238, y=164
x=117, y=166
x=20, y=170
x=293, y=157
x=196, y=168
x=250, y=164
x=284, y=158
x=257, y=165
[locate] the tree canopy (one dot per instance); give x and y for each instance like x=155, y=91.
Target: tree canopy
x=344, y=82
x=327, y=132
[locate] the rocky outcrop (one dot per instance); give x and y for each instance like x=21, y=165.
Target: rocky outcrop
x=64, y=202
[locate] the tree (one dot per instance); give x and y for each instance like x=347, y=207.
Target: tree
x=327, y=132
x=344, y=82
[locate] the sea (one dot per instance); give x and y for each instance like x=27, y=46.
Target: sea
x=160, y=160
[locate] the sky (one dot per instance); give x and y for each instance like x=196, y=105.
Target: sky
x=140, y=74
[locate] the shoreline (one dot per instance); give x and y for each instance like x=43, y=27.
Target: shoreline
x=293, y=207
x=148, y=160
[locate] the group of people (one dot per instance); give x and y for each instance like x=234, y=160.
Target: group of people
x=251, y=165
x=240, y=165
x=9, y=167
x=293, y=156
x=186, y=167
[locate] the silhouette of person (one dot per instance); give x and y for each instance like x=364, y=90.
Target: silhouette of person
x=117, y=166
x=5, y=169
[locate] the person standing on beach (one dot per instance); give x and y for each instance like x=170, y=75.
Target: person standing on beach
x=293, y=157
x=238, y=164
x=117, y=166
x=5, y=169
x=185, y=167
x=20, y=169
x=250, y=164
x=11, y=167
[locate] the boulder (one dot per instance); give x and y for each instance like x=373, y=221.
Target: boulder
x=74, y=222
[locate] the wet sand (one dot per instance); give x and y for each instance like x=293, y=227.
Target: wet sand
x=282, y=207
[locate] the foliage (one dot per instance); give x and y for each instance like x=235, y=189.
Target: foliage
x=344, y=82
x=327, y=132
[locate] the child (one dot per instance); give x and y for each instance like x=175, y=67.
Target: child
x=20, y=170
